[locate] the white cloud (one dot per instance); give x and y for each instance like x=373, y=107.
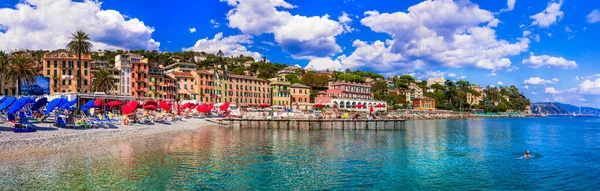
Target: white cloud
x=446, y=32
x=451, y=75
x=537, y=38
x=593, y=17
x=576, y=78
x=301, y=36
x=377, y=57
x=534, y=93
x=526, y=87
x=214, y=23
x=590, y=87
x=492, y=74
x=500, y=83
x=322, y=64
x=192, y=30
x=345, y=20
x=526, y=33
x=551, y=90
x=40, y=24
x=549, y=16
x=230, y=46
x=462, y=77
x=538, y=81
x=555, y=80
x=549, y=61
x=510, y=5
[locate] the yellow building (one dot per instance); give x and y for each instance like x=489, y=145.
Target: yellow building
x=62, y=68
x=280, y=91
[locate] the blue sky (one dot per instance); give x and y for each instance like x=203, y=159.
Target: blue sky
x=546, y=48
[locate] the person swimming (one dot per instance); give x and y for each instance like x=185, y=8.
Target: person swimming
x=526, y=154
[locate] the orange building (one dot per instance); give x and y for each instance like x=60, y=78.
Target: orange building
x=186, y=89
x=62, y=68
x=205, y=80
x=300, y=96
x=248, y=90
x=139, y=78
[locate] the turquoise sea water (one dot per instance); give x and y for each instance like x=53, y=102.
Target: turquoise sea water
x=479, y=154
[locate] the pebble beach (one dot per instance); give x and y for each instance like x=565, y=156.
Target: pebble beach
x=49, y=140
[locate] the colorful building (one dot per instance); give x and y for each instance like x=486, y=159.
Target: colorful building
x=348, y=96
x=180, y=67
x=280, y=91
x=186, y=89
x=248, y=90
x=123, y=63
x=472, y=99
x=139, y=77
x=62, y=68
x=205, y=80
x=300, y=95
x=423, y=103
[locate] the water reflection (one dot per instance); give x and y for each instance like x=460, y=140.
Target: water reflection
x=465, y=154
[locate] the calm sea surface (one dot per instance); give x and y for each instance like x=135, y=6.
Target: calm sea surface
x=480, y=154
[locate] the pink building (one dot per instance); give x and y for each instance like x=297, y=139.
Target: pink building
x=347, y=95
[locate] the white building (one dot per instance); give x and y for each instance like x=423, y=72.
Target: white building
x=440, y=81
x=123, y=63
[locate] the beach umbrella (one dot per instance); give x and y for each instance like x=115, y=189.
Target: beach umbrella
x=210, y=107
x=193, y=106
x=3, y=99
x=7, y=103
x=98, y=102
x=129, y=107
x=17, y=105
x=39, y=103
x=200, y=108
x=68, y=104
x=185, y=106
x=164, y=105
x=31, y=99
x=52, y=105
x=87, y=105
x=150, y=107
x=113, y=104
x=318, y=105
x=224, y=107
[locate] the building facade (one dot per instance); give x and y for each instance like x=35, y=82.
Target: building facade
x=62, y=68
x=248, y=90
x=300, y=95
x=139, y=77
x=123, y=63
x=423, y=103
x=472, y=99
x=186, y=85
x=347, y=95
x=441, y=81
x=180, y=67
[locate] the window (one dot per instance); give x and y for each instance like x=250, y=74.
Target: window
x=85, y=82
x=64, y=64
x=85, y=72
x=63, y=82
x=55, y=64
x=69, y=82
x=48, y=64
x=85, y=64
x=48, y=72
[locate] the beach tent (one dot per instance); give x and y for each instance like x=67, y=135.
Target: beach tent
x=129, y=107
x=39, y=103
x=7, y=103
x=52, y=105
x=18, y=105
x=66, y=105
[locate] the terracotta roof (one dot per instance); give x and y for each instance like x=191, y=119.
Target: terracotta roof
x=298, y=85
x=246, y=77
x=183, y=74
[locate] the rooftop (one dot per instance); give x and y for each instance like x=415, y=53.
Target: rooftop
x=246, y=77
x=182, y=74
x=298, y=85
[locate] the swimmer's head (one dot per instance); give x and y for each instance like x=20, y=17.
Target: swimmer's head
x=527, y=151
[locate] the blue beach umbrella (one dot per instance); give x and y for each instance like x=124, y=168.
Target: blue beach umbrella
x=39, y=103
x=15, y=107
x=7, y=103
x=31, y=100
x=68, y=104
x=3, y=99
x=88, y=105
x=52, y=105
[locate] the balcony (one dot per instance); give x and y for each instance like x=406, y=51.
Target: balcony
x=140, y=71
x=140, y=80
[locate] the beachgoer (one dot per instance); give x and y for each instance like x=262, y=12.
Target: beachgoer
x=526, y=154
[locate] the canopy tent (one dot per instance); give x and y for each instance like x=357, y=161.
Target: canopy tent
x=39, y=103
x=18, y=105
x=7, y=103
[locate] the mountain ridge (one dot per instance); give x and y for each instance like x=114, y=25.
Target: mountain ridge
x=557, y=108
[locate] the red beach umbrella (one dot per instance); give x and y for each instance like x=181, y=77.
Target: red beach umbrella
x=113, y=104
x=264, y=105
x=164, y=105
x=129, y=107
x=200, y=108
x=98, y=102
x=371, y=109
x=150, y=107
x=224, y=107
x=185, y=106
x=210, y=107
x=193, y=106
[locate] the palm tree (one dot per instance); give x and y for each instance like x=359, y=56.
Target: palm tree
x=103, y=81
x=80, y=44
x=3, y=64
x=20, y=70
